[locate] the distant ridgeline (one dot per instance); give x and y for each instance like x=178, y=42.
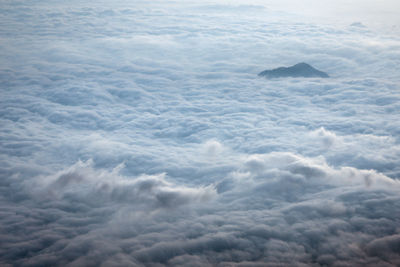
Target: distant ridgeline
x=298, y=70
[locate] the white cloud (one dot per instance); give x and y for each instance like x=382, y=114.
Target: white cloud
x=137, y=133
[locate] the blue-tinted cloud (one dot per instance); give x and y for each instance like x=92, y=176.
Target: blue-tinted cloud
x=138, y=134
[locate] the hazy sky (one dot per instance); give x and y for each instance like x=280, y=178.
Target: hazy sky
x=137, y=133
x=383, y=15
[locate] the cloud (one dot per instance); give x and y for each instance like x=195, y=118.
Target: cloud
x=278, y=204
x=83, y=184
x=138, y=134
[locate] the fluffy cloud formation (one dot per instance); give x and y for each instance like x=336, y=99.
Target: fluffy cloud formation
x=138, y=134
x=278, y=208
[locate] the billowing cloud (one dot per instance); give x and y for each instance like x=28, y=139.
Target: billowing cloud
x=138, y=134
x=273, y=206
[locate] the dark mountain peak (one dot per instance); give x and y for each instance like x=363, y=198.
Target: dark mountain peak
x=299, y=70
x=302, y=65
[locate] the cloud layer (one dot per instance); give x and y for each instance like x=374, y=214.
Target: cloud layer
x=138, y=134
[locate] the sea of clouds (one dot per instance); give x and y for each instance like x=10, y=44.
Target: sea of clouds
x=139, y=134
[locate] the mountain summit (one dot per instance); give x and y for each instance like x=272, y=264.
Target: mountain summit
x=298, y=70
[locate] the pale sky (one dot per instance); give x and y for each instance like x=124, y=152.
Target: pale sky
x=375, y=14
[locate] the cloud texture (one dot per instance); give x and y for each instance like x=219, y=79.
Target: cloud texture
x=138, y=134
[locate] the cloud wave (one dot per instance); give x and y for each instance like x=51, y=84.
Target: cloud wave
x=138, y=134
